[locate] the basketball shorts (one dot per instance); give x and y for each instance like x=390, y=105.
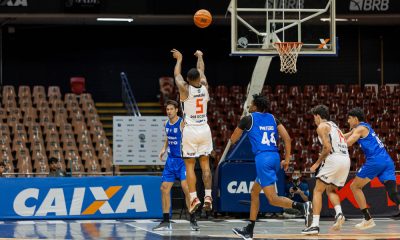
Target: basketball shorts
x=381, y=166
x=174, y=169
x=196, y=141
x=334, y=170
x=267, y=166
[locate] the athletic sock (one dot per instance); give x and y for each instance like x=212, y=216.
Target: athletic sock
x=338, y=209
x=207, y=192
x=315, y=221
x=165, y=217
x=193, y=195
x=250, y=226
x=366, y=213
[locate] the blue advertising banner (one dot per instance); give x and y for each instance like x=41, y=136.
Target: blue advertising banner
x=241, y=150
x=80, y=198
x=235, y=180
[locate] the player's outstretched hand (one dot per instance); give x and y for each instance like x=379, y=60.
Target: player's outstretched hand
x=285, y=165
x=176, y=54
x=198, y=53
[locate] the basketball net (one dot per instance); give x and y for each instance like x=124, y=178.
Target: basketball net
x=288, y=53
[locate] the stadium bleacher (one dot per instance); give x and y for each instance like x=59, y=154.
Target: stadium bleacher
x=291, y=104
x=36, y=126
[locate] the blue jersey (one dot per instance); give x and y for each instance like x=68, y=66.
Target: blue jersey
x=263, y=133
x=371, y=144
x=174, y=136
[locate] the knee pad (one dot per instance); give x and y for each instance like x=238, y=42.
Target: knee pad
x=391, y=189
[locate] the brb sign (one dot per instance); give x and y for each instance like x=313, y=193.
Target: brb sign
x=369, y=5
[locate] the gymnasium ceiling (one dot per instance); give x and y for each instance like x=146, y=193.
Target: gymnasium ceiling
x=182, y=19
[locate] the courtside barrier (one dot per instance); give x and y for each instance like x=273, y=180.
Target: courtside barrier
x=80, y=198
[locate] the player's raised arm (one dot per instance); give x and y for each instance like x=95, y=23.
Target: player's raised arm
x=201, y=67
x=179, y=81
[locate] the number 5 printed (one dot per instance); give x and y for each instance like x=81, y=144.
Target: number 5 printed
x=199, y=106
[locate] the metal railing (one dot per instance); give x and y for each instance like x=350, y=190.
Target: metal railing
x=128, y=97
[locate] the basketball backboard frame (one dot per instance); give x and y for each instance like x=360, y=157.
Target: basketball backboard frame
x=257, y=24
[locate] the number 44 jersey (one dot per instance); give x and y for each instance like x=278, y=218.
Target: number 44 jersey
x=263, y=133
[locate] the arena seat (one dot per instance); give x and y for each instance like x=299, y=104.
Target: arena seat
x=40, y=126
x=382, y=111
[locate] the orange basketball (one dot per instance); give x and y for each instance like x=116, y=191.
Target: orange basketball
x=202, y=18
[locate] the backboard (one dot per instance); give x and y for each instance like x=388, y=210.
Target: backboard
x=258, y=24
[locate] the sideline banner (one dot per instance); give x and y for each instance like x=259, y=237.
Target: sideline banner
x=80, y=198
x=138, y=140
x=378, y=202
x=235, y=181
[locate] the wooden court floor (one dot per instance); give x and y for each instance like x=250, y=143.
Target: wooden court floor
x=216, y=229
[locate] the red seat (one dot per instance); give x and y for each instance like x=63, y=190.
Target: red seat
x=280, y=89
x=294, y=91
x=266, y=89
x=77, y=85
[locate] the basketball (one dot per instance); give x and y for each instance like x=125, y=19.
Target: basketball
x=202, y=18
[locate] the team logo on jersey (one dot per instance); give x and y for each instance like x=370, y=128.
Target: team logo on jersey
x=175, y=130
x=167, y=130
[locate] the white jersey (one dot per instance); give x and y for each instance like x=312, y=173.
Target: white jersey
x=338, y=141
x=195, y=106
x=335, y=169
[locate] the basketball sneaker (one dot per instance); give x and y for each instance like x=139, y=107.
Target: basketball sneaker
x=163, y=226
x=310, y=230
x=207, y=203
x=194, y=205
x=365, y=224
x=243, y=233
x=193, y=225
x=339, y=221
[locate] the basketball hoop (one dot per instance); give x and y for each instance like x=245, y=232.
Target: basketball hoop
x=288, y=53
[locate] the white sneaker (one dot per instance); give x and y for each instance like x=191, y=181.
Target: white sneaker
x=339, y=221
x=194, y=205
x=365, y=224
x=207, y=203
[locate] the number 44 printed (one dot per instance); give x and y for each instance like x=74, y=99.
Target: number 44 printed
x=268, y=140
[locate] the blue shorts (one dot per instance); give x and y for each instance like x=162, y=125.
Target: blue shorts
x=267, y=166
x=174, y=169
x=381, y=166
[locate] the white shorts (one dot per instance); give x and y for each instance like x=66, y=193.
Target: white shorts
x=335, y=170
x=196, y=141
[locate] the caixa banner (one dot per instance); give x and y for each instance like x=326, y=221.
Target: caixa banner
x=235, y=180
x=80, y=198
